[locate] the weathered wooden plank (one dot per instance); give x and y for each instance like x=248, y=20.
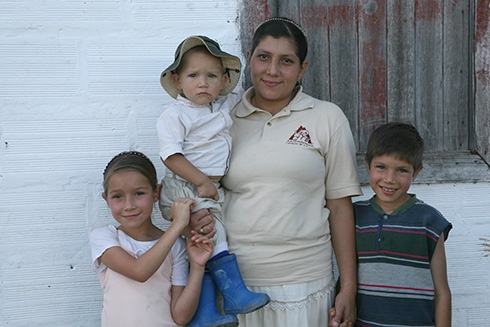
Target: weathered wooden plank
x=482, y=72
x=252, y=14
x=426, y=76
x=342, y=41
x=400, y=57
x=313, y=19
x=428, y=72
x=447, y=166
x=456, y=50
x=290, y=9
x=372, y=67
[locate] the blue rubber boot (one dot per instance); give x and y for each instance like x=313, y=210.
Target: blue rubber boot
x=236, y=297
x=206, y=314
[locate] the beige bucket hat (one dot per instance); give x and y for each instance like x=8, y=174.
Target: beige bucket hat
x=231, y=64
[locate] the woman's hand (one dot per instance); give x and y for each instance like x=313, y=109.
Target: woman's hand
x=202, y=222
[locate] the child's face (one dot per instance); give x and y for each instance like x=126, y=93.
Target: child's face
x=201, y=77
x=390, y=178
x=130, y=198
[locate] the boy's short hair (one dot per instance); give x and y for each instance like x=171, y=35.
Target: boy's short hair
x=399, y=139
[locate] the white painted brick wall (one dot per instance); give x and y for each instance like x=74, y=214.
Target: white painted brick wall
x=79, y=82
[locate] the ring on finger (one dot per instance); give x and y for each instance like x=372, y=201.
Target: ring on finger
x=201, y=230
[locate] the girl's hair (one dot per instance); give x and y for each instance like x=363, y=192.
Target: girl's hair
x=282, y=27
x=131, y=160
x=399, y=139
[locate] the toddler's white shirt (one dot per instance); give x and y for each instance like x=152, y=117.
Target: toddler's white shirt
x=199, y=132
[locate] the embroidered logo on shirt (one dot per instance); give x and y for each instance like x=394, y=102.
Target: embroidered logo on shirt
x=300, y=137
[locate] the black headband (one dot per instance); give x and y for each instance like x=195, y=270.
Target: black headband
x=283, y=19
x=130, y=153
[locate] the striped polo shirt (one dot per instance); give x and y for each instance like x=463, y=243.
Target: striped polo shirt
x=394, y=250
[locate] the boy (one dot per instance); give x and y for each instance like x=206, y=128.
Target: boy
x=402, y=278
x=195, y=146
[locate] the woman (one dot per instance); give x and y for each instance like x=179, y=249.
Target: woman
x=292, y=173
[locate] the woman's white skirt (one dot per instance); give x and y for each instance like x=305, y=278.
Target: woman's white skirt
x=296, y=305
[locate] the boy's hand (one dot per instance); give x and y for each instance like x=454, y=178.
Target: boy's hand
x=199, y=249
x=207, y=190
x=331, y=314
x=180, y=211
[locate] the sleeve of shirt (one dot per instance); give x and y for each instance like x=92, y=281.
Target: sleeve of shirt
x=440, y=225
x=100, y=240
x=234, y=97
x=180, y=268
x=171, y=133
x=341, y=164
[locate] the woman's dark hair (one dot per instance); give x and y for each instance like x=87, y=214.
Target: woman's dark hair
x=131, y=160
x=282, y=27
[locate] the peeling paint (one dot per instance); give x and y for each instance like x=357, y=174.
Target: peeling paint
x=482, y=21
x=428, y=10
x=340, y=14
x=314, y=16
x=256, y=12
x=483, y=75
x=373, y=68
x=482, y=43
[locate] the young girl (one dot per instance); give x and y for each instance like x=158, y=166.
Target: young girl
x=144, y=275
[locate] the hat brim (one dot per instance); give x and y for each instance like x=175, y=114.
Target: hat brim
x=231, y=64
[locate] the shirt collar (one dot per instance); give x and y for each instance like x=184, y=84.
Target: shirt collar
x=301, y=101
x=188, y=103
x=404, y=207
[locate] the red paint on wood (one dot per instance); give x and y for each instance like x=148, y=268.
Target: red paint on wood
x=314, y=16
x=373, y=63
x=255, y=11
x=482, y=67
x=482, y=20
x=428, y=10
x=341, y=14
x=482, y=42
x=483, y=76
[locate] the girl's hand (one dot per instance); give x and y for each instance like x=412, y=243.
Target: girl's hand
x=180, y=211
x=200, y=238
x=199, y=249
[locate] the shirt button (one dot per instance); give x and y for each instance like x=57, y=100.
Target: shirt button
x=269, y=123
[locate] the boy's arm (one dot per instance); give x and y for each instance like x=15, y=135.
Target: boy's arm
x=142, y=268
x=342, y=230
x=182, y=167
x=442, y=296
